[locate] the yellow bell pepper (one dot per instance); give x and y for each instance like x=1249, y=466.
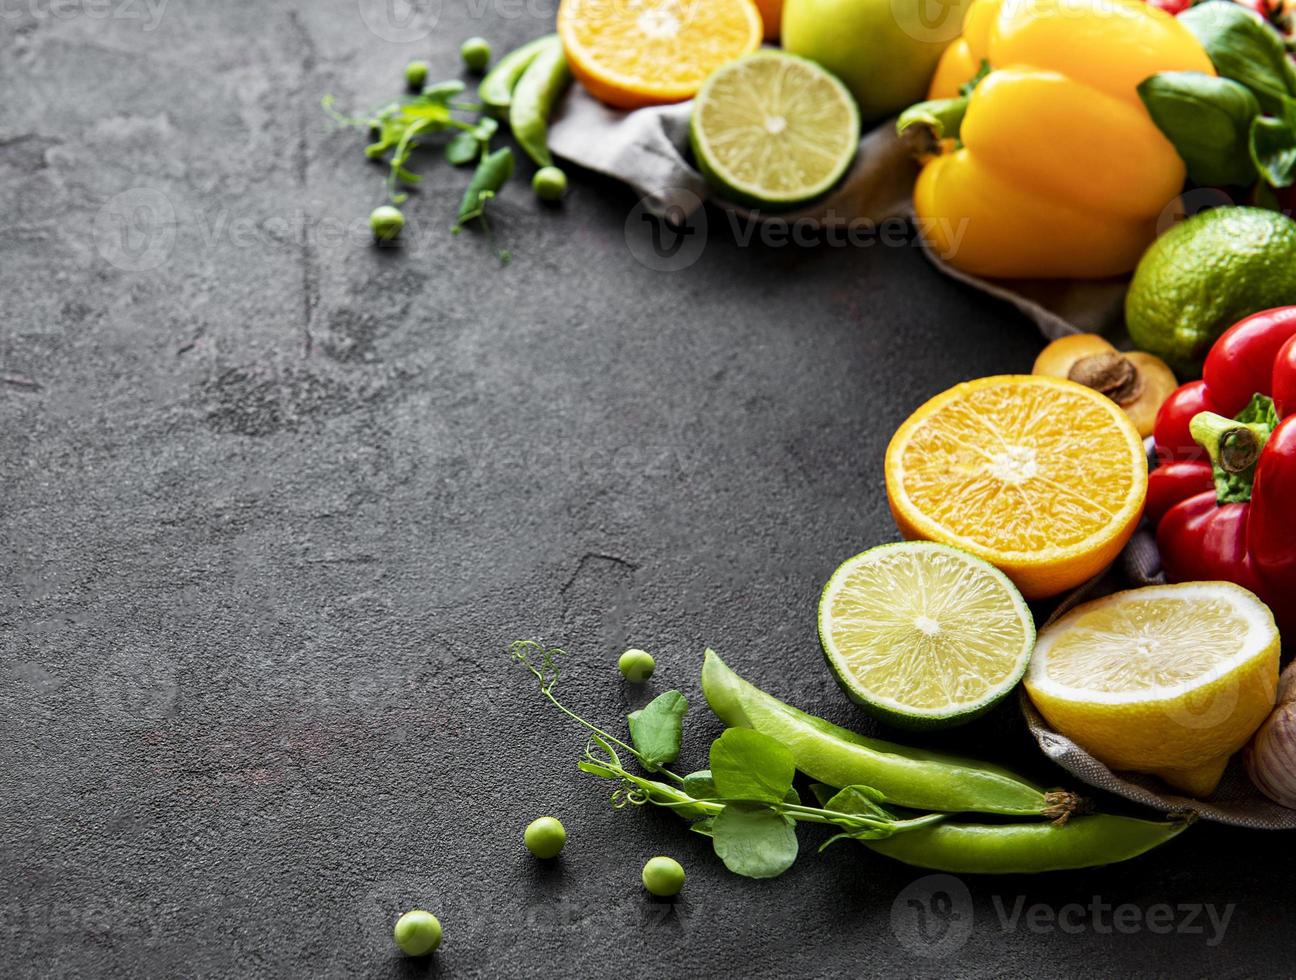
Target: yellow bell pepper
x=1061, y=171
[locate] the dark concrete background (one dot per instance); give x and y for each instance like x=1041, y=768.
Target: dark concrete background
x=274, y=501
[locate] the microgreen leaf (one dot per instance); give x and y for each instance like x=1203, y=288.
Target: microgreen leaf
x=657, y=728
x=463, y=148
x=748, y=765
x=859, y=799
x=822, y=792
x=595, y=769
x=700, y=785
x=440, y=93
x=705, y=826
x=754, y=841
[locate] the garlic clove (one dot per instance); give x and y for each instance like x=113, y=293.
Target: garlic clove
x=1271, y=756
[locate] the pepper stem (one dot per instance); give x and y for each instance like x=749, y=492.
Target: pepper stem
x=1234, y=449
x=1233, y=446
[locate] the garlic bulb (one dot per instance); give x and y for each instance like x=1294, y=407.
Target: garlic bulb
x=1271, y=756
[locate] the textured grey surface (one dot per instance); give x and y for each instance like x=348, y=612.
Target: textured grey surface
x=273, y=502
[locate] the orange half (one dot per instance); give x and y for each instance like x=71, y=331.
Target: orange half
x=632, y=53
x=1042, y=477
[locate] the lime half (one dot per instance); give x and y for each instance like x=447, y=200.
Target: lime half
x=774, y=129
x=924, y=635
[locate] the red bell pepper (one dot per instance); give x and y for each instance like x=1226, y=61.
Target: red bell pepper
x=1224, y=497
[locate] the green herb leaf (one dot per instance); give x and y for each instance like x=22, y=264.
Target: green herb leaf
x=705, y=826
x=700, y=785
x=463, y=149
x=822, y=792
x=1208, y=119
x=440, y=93
x=754, y=840
x=860, y=800
x=657, y=728
x=1245, y=49
x=747, y=765
x=1272, y=145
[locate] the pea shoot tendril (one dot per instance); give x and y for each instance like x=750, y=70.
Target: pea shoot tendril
x=745, y=802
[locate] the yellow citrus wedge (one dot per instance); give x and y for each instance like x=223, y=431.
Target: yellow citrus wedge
x=1169, y=680
x=632, y=53
x=1043, y=478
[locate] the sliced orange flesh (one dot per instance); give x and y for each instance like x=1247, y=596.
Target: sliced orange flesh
x=631, y=53
x=1042, y=477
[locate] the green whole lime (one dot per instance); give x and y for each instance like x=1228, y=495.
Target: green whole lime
x=1204, y=275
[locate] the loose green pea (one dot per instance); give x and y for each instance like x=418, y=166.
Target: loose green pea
x=663, y=876
x=636, y=665
x=476, y=53
x=417, y=933
x=386, y=222
x=549, y=184
x=545, y=837
x=416, y=73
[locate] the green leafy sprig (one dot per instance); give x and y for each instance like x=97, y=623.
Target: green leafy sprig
x=745, y=802
x=1237, y=127
x=398, y=128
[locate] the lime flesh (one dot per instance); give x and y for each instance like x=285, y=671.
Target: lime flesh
x=774, y=129
x=924, y=635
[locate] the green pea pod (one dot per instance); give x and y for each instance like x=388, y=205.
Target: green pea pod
x=496, y=89
x=533, y=100
x=1028, y=848
x=909, y=777
x=491, y=174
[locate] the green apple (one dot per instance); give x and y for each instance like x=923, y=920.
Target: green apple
x=884, y=50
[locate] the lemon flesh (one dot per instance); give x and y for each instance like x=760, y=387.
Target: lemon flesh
x=1169, y=680
x=922, y=634
x=774, y=129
